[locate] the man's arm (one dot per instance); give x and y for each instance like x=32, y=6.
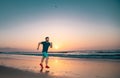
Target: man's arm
x=38, y=45
x=51, y=45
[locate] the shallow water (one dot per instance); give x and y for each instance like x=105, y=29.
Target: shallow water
x=67, y=67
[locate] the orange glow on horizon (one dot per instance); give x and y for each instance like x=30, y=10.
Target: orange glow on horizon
x=64, y=34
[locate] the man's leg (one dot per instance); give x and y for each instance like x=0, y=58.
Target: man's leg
x=42, y=60
x=41, y=64
x=47, y=62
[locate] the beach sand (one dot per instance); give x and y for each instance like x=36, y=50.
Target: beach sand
x=23, y=66
x=7, y=72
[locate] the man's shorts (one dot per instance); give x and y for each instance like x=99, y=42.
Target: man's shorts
x=45, y=54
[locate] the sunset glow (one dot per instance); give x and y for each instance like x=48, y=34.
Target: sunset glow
x=56, y=47
x=73, y=25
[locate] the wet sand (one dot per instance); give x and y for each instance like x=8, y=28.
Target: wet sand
x=7, y=72
x=22, y=66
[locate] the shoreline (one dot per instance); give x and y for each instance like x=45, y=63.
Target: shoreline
x=67, y=58
x=115, y=56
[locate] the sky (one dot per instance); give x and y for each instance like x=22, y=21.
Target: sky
x=70, y=24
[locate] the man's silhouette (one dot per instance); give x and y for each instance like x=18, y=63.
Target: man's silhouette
x=46, y=44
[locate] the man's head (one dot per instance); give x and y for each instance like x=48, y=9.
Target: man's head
x=47, y=39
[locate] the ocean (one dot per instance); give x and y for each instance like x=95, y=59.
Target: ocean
x=94, y=54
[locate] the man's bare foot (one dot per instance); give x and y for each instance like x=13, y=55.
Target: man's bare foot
x=47, y=67
x=41, y=65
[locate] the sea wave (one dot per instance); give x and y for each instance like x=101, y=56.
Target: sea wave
x=97, y=54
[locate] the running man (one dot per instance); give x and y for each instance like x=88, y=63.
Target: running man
x=46, y=44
